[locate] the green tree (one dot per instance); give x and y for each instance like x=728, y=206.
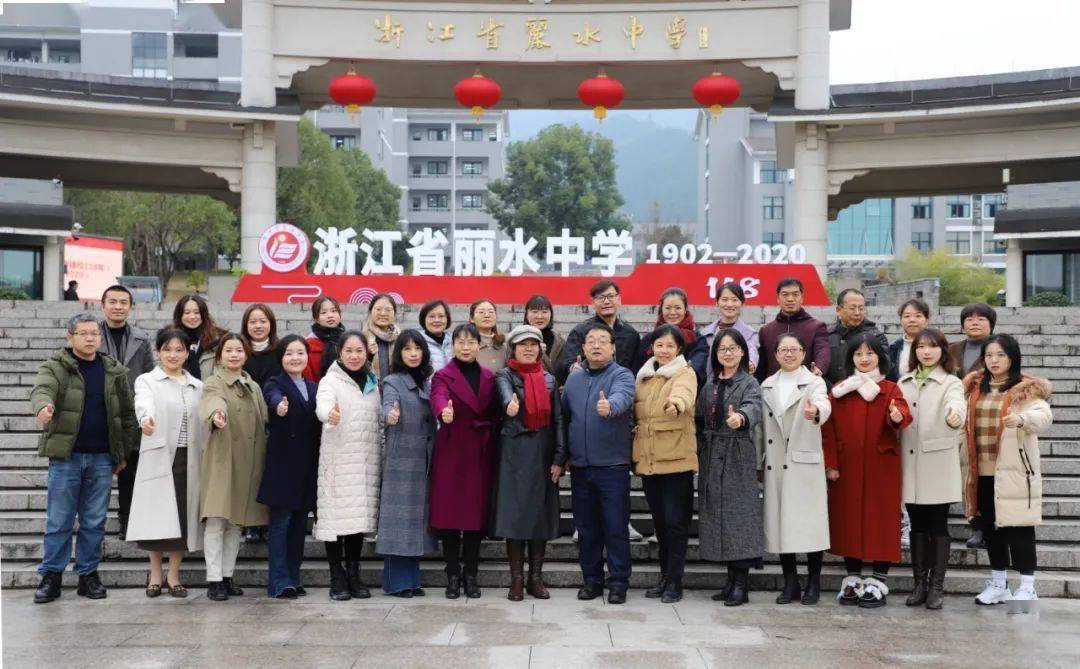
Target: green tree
x=158, y=228
x=562, y=178
x=961, y=280
x=316, y=193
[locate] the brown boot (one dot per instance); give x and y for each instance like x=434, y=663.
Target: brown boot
x=920, y=567
x=535, y=586
x=515, y=552
x=939, y=562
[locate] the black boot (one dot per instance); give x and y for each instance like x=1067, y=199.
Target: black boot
x=791, y=590
x=740, y=589
x=977, y=538
x=658, y=589
x=515, y=553
x=919, y=569
x=90, y=586
x=672, y=591
x=472, y=588
x=339, y=584
x=233, y=589
x=812, y=593
x=352, y=578
x=938, y=555
x=535, y=585
x=453, y=586
x=725, y=594
x=216, y=592
x=49, y=588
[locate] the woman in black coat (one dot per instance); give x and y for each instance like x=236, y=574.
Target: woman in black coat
x=532, y=452
x=292, y=456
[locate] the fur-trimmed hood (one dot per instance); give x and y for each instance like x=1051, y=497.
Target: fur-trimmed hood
x=1029, y=388
x=649, y=370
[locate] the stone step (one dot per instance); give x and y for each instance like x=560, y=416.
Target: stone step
x=970, y=581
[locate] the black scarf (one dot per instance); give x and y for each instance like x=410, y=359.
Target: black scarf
x=329, y=337
x=417, y=376
x=718, y=414
x=549, y=339
x=471, y=370
x=194, y=348
x=437, y=338
x=360, y=375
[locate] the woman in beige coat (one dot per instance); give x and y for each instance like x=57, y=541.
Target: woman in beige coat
x=1007, y=411
x=796, y=500
x=930, y=460
x=234, y=411
x=493, y=350
x=665, y=452
x=165, y=501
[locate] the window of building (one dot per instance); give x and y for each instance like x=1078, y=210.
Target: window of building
x=991, y=245
x=772, y=208
x=922, y=208
x=958, y=243
x=438, y=201
x=188, y=45
x=437, y=168
x=417, y=169
x=417, y=135
x=343, y=141
x=1059, y=272
x=922, y=241
x=991, y=204
x=21, y=267
x=958, y=206
x=149, y=55
x=493, y=137
x=769, y=173
x=772, y=238
x=865, y=228
x=438, y=134
x=416, y=202
x=472, y=134
x=472, y=201
x=472, y=167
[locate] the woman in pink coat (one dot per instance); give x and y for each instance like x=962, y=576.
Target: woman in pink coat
x=463, y=461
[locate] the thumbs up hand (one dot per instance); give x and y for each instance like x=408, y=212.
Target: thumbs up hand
x=448, y=412
x=814, y=369
x=220, y=421
x=513, y=406
x=952, y=419
x=1013, y=420
x=148, y=426
x=576, y=364
x=603, y=407
x=810, y=410
x=895, y=415
x=394, y=416
x=734, y=419
x=283, y=407
x=334, y=417
x=671, y=410
x=45, y=415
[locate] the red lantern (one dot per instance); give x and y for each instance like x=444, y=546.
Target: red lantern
x=477, y=93
x=716, y=91
x=352, y=90
x=601, y=93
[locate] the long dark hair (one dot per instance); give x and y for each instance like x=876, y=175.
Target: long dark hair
x=537, y=303
x=932, y=336
x=874, y=342
x=272, y=340
x=1012, y=349
x=497, y=338
x=740, y=341
x=397, y=363
x=208, y=332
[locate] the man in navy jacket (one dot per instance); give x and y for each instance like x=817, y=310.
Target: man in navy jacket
x=599, y=401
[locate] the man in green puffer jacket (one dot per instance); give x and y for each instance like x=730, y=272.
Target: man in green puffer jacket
x=84, y=402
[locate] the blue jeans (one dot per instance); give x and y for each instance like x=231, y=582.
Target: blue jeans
x=285, y=545
x=400, y=573
x=600, y=499
x=78, y=486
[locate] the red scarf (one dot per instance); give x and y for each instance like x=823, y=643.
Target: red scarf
x=686, y=326
x=537, y=403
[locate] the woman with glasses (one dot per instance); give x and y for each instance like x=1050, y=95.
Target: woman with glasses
x=796, y=501
x=493, y=351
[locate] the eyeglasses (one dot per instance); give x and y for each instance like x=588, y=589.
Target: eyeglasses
x=789, y=349
x=728, y=350
x=606, y=297
x=597, y=341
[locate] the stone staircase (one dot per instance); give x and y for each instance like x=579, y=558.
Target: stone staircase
x=30, y=331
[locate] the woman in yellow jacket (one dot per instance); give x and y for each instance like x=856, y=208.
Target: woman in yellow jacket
x=665, y=452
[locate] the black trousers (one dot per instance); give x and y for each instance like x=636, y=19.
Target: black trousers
x=1003, y=542
x=930, y=519
x=351, y=545
x=671, y=501
x=458, y=545
x=125, y=483
x=855, y=566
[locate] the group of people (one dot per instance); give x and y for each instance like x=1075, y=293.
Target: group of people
x=802, y=438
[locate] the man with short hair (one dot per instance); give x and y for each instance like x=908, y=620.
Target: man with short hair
x=130, y=346
x=83, y=400
x=598, y=402
x=977, y=320
x=792, y=318
x=71, y=294
x=606, y=299
x=851, y=320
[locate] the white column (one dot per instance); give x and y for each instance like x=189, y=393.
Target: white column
x=1014, y=274
x=52, y=270
x=257, y=68
x=258, y=191
x=812, y=64
x=811, y=223
x=44, y=51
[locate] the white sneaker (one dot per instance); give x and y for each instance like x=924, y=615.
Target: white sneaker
x=575, y=536
x=653, y=539
x=1023, y=594
x=634, y=534
x=993, y=593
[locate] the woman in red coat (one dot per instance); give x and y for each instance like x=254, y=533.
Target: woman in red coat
x=463, y=460
x=862, y=464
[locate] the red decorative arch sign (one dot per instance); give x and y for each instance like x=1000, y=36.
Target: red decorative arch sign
x=284, y=250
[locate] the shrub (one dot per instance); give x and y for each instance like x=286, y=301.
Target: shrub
x=1048, y=298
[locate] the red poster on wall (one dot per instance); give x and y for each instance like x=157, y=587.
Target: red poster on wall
x=94, y=262
x=284, y=250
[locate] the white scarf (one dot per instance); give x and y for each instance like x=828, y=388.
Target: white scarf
x=260, y=346
x=865, y=383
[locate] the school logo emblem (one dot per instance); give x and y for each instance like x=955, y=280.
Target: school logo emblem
x=283, y=247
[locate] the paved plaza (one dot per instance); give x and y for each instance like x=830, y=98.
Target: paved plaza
x=129, y=630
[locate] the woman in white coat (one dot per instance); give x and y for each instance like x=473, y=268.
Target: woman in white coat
x=165, y=502
x=350, y=462
x=796, y=499
x=930, y=460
